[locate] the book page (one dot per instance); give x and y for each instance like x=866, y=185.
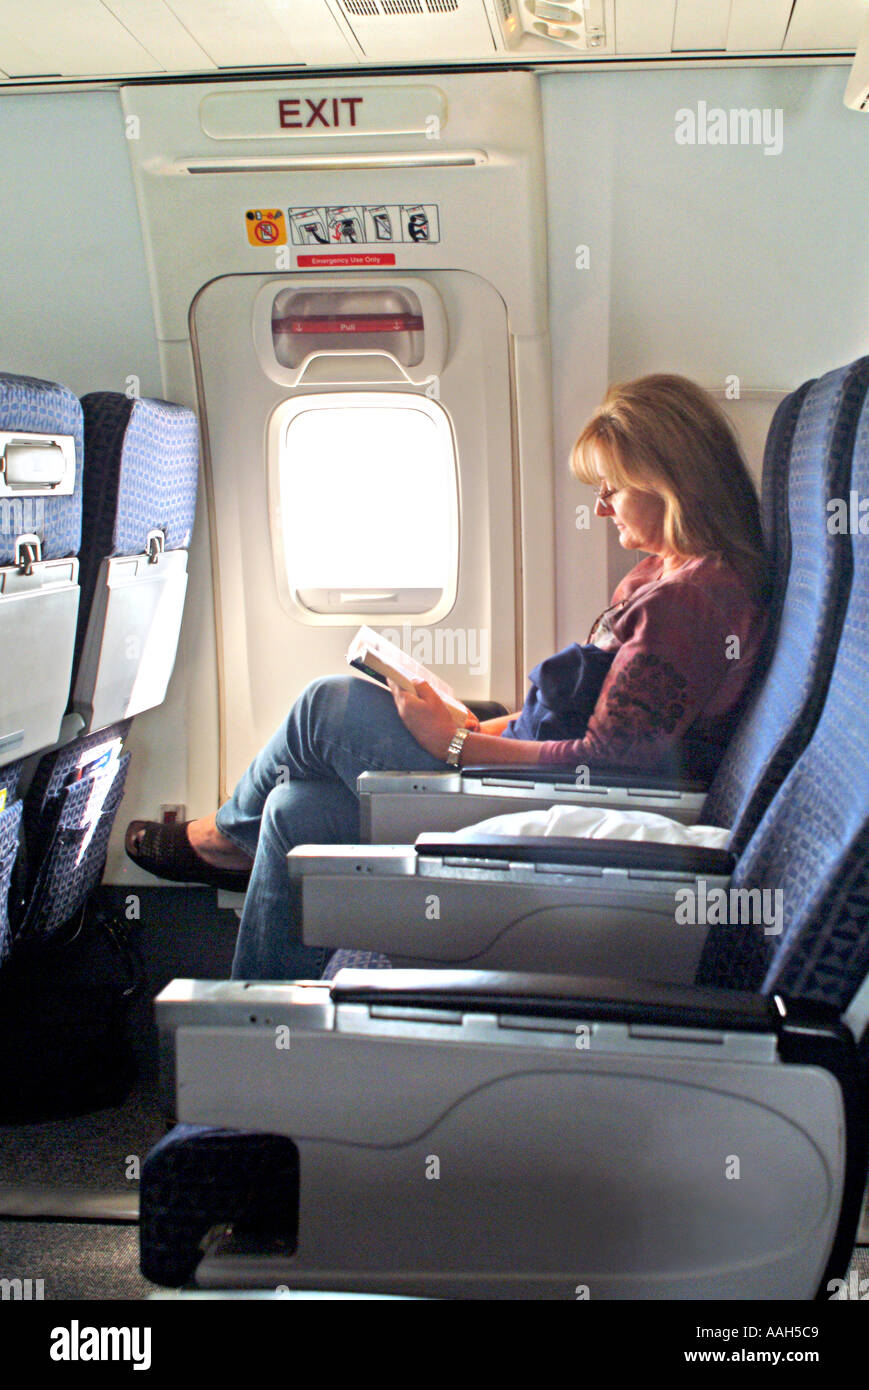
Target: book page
x=378, y=653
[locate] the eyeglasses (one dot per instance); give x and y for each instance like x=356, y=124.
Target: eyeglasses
x=605, y=493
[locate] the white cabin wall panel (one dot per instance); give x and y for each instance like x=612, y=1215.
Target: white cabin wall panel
x=579, y=190
x=758, y=26
x=751, y=265
x=84, y=39
x=713, y=261
x=645, y=26
x=76, y=304
x=701, y=24
x=833, y=24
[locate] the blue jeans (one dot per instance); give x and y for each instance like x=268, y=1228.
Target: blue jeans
x=301, y=789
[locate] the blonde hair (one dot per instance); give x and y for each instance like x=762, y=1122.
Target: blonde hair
x=665, y=435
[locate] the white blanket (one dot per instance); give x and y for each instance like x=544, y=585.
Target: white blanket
x=594, y=823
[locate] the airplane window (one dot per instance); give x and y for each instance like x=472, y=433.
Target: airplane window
x=368, y=502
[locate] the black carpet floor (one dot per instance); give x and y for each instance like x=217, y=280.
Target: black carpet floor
x=101, y=1151
x=74, y=1260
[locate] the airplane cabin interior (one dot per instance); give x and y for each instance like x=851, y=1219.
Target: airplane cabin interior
x=396, y=331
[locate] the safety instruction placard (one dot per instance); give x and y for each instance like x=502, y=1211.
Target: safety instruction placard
x=375, y=224
x=265, y=227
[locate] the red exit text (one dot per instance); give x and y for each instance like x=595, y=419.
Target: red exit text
x=301, y=113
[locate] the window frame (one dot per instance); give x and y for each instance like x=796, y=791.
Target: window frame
x=278, y=427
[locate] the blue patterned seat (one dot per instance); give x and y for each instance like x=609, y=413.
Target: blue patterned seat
x=354, y=960
x=140, y=479
x=812, y=843
x=139, y=498
x=787, y=701
x=41, y=441
x=10, y=826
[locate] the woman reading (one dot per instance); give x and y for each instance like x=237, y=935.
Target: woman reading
x=677, y=649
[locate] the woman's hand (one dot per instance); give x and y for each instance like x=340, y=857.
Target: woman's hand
x=498, y=724
x=424, y=714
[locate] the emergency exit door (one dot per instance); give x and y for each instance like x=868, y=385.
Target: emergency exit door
x=352, y=485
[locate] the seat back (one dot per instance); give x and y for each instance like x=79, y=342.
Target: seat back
x=10, y=827
x=786, y=702
x=775, y=518
x=41, y=440
x=141, y=462
x=811, y=847
x=69, y=810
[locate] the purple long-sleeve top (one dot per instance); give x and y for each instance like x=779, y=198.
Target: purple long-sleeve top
x=685, y=645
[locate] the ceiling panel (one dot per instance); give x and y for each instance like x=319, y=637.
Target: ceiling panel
x=315, y=27
x=645, y=26
x=826, y=24
x=241, y=33
x=80, y=38
x=18, y=59
x=758, y=26
x=161, y=33
x=701, y=24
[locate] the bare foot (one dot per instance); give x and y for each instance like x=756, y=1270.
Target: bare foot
x=213, y=847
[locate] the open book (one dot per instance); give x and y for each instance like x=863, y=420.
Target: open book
x=379, y=658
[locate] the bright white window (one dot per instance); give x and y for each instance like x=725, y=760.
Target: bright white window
x=366, y=514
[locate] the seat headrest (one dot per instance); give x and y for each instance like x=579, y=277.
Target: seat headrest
x=142, y=459
x=41, y=407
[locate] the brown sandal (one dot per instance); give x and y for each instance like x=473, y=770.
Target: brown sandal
x=165, y=850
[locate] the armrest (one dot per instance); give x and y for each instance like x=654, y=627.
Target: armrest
x=562, y=906
x=808, y=1034
x=562, y=849
x=553, y=775
x=563, y=996
x=388, y=1068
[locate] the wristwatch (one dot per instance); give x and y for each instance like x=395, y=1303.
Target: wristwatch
x=454, y=751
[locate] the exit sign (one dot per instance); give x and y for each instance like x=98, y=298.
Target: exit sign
x=298, y=112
